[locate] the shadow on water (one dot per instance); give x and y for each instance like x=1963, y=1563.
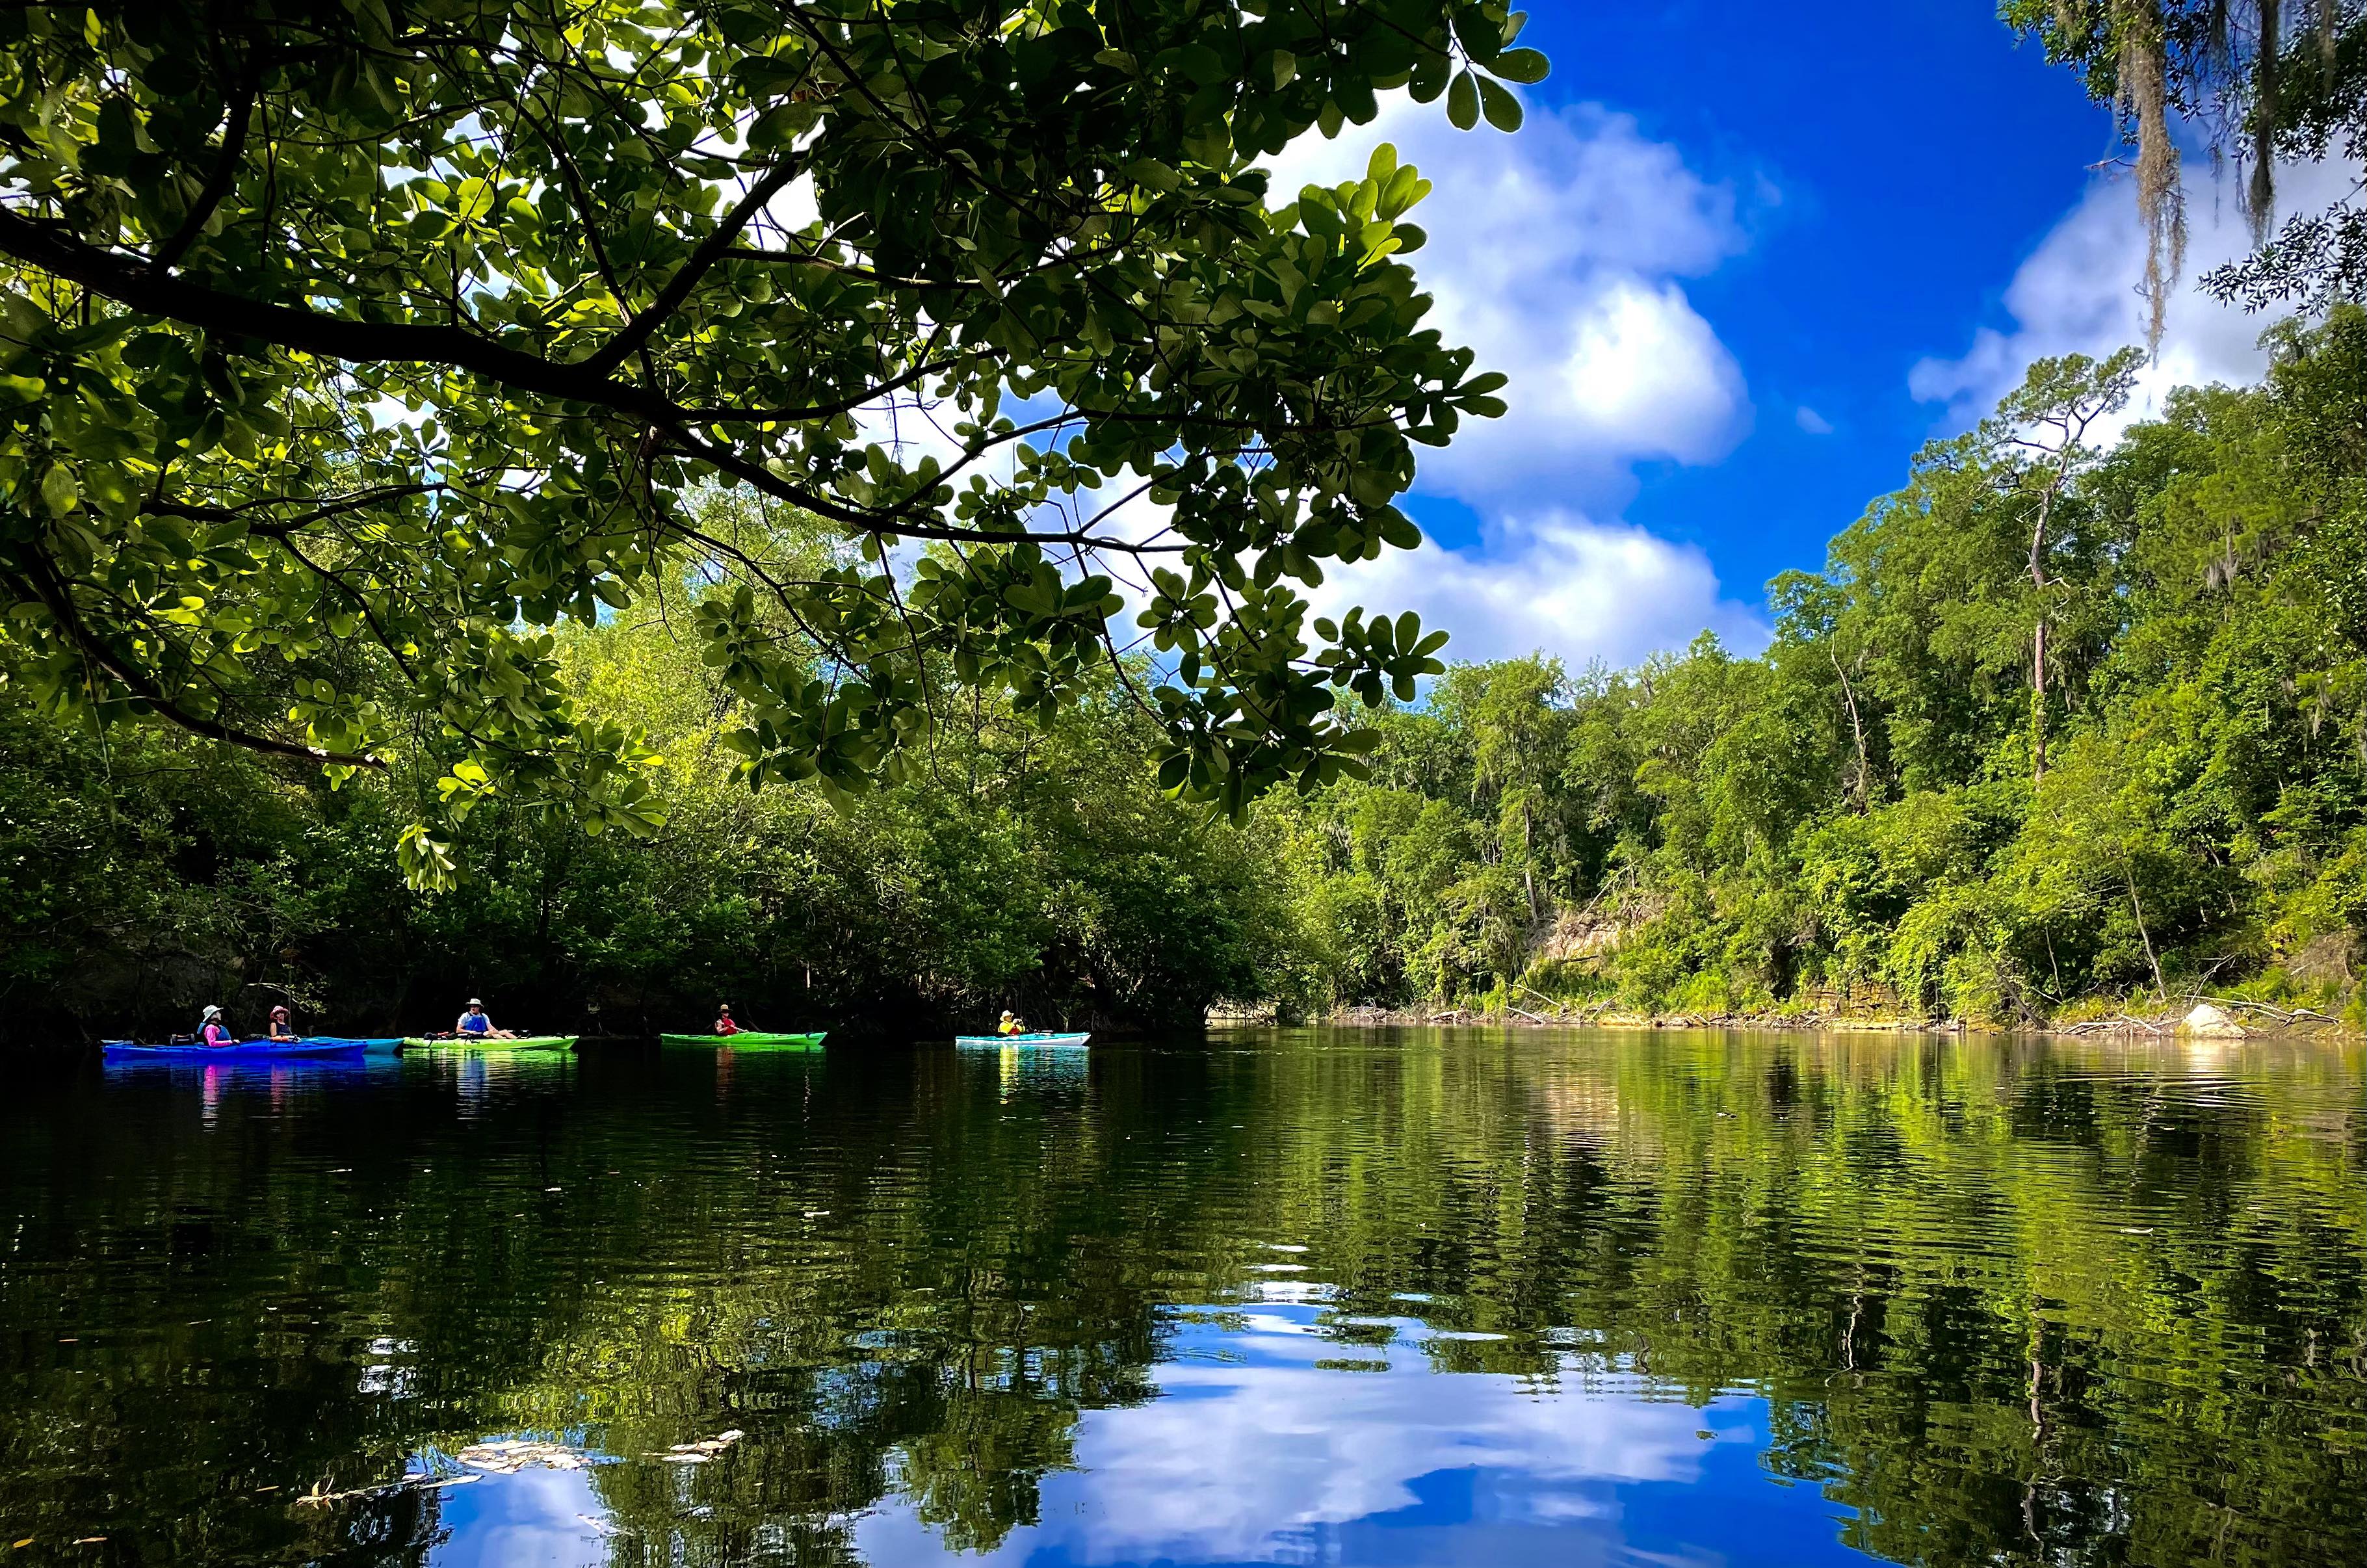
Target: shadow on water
x=1367, y=1297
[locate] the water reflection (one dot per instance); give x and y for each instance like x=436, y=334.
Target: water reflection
x=1019, y=1069
x=1353, y=1298
x=1268, y=1443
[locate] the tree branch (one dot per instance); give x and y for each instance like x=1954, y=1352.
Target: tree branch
x=336, y=337
x=685, y=277
x=54, y=596
x=225, y=173
x=279, y=526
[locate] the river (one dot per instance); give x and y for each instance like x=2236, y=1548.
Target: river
x=1360, y=1297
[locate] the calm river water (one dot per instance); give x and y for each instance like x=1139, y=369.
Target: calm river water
x=1336, y=1297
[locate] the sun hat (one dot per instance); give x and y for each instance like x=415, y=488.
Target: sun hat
x=474, y=1003
x=210, y=1012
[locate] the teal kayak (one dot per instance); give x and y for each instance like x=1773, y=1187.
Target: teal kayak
x=1038, y=1040
x=374, y=1045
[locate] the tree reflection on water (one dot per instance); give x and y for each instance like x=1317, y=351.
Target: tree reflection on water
x=1354, y=1296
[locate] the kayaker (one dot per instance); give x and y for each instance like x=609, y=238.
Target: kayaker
x=723, y=1024
x=212, y=1030
x=281, y=1027
x=475, y=1022
x=1009, y=1024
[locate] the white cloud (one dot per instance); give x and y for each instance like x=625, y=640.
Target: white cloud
x=1554, y=253
x=2077, y=293
x=1810, y=420
x=1554, y=582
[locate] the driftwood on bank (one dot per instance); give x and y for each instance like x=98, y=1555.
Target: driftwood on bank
x=2286, y=1018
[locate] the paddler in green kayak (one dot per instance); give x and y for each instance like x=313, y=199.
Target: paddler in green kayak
x=723, y=1024
x=474, y=1022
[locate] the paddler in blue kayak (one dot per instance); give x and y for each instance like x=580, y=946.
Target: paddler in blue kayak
x=212, y=1030
x=474, y=1022
x=281, y=1027
x=1010, y=1024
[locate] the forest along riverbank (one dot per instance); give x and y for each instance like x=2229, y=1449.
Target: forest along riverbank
x=1885, y=801
x=2220, y=1018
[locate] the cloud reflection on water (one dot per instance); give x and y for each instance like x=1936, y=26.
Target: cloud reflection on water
x=1263, y=1448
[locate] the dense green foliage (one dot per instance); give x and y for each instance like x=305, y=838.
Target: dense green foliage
x=142, y=873
x=2056, y=722
x=2060, y=725
x=346, y=348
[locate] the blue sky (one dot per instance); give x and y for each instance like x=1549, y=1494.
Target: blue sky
x=1739, y=268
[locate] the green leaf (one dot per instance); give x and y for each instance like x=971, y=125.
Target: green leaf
x=1462, y=102
x=59, y=493
x=1154, y=174
x=1525, y=66
x=1503, y=109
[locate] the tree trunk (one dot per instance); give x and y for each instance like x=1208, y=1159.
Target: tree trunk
x=1857, y=728
x=2038, y=701
x=2161, y=991
x=1528, y=858
x=2038, y=584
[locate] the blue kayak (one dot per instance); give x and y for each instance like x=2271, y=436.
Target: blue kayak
x=241, y=1051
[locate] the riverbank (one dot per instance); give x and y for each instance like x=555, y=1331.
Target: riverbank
x=2201, y=1017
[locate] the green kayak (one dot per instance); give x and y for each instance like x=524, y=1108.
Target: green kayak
x=482, y=1043
x=749, y=1040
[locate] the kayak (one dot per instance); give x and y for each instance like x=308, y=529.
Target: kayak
x=749, y=1040
x=241, y=1050
x=982, y=1041
x=482, y=1043
x=373, y=1045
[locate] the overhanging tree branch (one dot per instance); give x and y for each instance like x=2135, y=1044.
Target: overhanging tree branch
x=35, y=574
x=685, y=277
x=123, y=280
x=225, y=171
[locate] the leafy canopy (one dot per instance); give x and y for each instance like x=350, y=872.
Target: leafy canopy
x=350, y=345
